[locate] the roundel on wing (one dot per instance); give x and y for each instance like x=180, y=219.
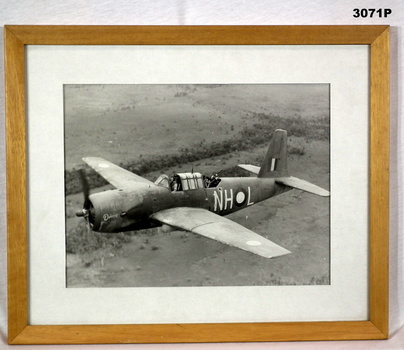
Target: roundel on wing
x=241, y=197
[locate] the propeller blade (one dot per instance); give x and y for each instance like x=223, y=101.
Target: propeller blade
x=85, y=212
x=89, y=230
x=85, y=186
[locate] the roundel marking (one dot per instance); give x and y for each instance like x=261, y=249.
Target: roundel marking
x=241, y=197
x=253, y=243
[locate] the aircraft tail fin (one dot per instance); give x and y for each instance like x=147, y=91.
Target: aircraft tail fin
x=275, y=166
x=275, y=161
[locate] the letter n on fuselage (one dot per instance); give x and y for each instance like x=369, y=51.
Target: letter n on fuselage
x=218, y=196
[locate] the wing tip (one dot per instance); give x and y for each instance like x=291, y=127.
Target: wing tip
x=281, y=254
x=278, y=254
x=266, y=248
x=86, y=159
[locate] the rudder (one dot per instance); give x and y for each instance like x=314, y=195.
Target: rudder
x=275, y=161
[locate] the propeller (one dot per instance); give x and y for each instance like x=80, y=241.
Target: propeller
x=85, y=212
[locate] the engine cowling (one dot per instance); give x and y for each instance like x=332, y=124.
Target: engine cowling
x=109, y=211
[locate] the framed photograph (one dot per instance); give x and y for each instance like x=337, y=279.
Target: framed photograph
x=174, y=184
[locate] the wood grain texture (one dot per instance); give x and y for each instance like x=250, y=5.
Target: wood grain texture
x=16, y=185
x=199, y=333
x=197, y=35
x=20, y=332
x=379, y=181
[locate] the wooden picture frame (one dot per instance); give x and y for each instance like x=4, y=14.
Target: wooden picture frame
x=21, y=332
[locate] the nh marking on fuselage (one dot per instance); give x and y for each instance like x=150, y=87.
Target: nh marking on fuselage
x=224, y=198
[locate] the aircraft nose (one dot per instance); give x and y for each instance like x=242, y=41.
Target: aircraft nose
x=87, y=213
x=81, y=213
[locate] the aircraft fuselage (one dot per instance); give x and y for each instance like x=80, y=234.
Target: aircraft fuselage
x=117, y=210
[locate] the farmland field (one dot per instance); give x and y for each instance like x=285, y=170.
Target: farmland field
x=133, y=123
x=125, y=122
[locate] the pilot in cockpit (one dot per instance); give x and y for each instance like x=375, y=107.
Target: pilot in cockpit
x=175, y=183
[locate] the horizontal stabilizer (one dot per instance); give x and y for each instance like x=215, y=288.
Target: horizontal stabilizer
x=302, y=185
x=251, y=168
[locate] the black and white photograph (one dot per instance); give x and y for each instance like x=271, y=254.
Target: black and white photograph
x=180, y=185
x=203, y=172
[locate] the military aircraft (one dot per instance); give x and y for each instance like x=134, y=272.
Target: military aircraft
x=192, y=201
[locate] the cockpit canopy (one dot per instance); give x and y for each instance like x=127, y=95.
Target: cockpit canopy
x=187, y=181
x=163, y=181
x=191, y=181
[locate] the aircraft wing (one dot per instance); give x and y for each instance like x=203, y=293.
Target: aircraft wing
x=217, y=227
x=115, y=175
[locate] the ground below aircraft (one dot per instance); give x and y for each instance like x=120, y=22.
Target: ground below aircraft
x=192, y=201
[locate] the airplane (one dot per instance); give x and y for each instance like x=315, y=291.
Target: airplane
x=191, y=201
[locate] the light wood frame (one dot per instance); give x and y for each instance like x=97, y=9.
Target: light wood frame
x=16, y=37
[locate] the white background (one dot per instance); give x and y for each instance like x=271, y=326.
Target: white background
x=345, y=299
x=232, y=12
